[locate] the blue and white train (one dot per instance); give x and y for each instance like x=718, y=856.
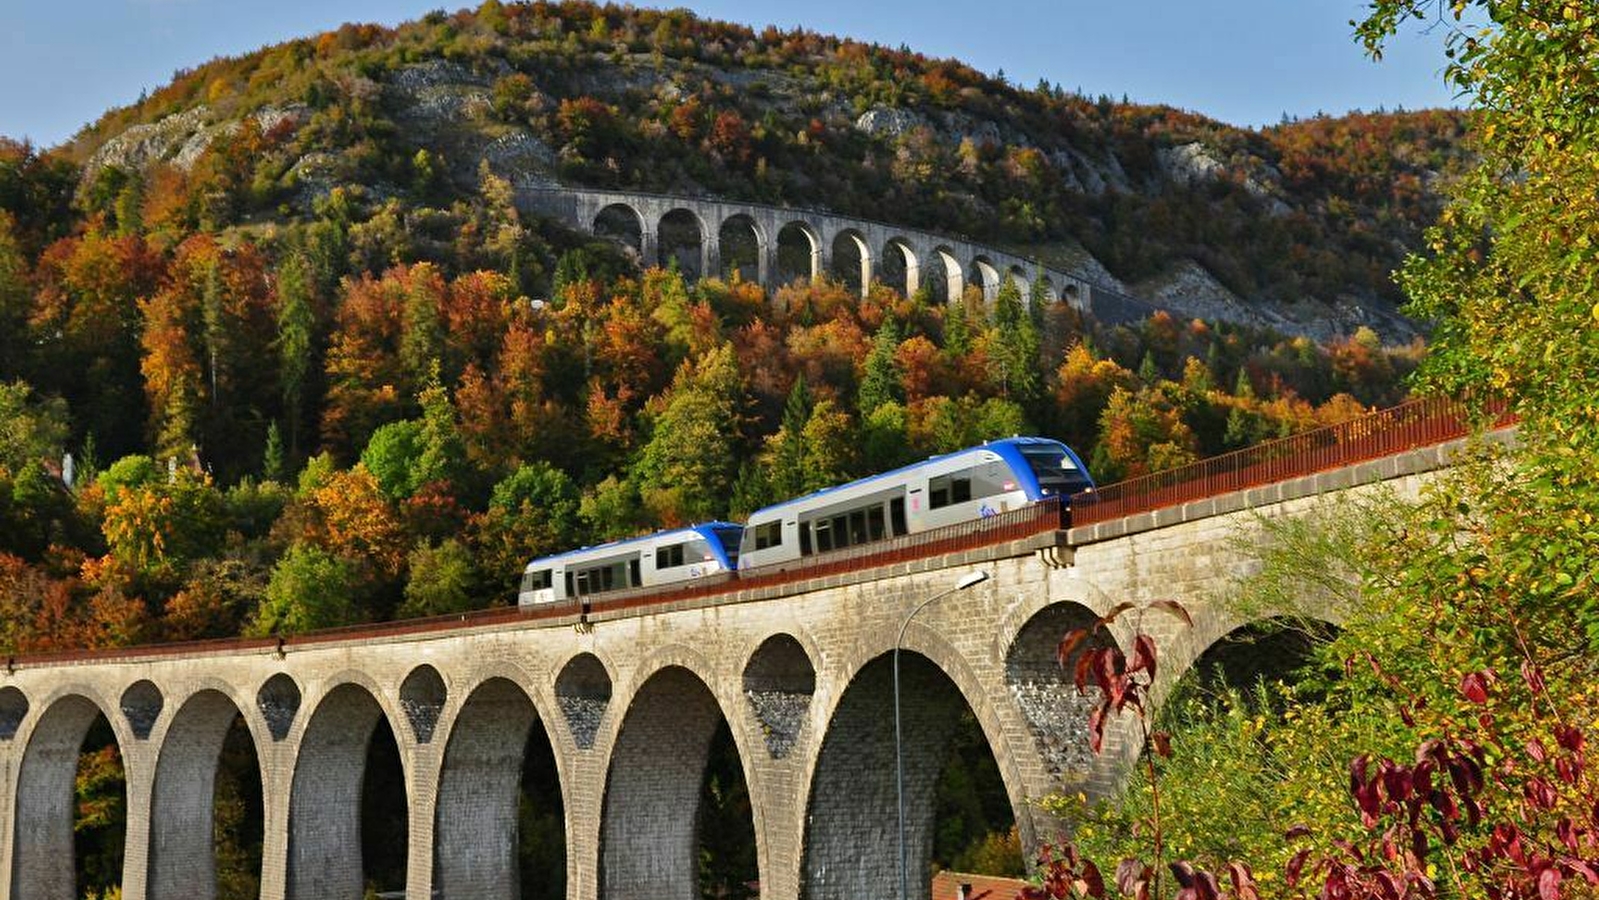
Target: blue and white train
x=666, y=557
x=957, y=487
x=969, y=484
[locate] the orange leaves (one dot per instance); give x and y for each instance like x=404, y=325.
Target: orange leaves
x=354, y=520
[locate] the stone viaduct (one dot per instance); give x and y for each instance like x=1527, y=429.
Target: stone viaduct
x=628, y=697
x=774, y=245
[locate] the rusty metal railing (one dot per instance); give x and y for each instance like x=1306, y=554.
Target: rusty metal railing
x=1408, y=426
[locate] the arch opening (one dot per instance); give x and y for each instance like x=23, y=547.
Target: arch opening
x=621, y=223
x=348, y=809
x=955, y=797
x=207, y=811
x=13, y=709
x=985, y=277
x=852, y=261
x=799, y=254
x=1042, y=688
x=499, y=823
x=682, y=240
x=279, y=702
x=141, y=704
x=675, y=795
x=743, y=249
x=1024, y=284
x=583, y=691
x=944, y=280
x=1260, y=653
x=72, y=793
x=778, y=683
x=900, y=270
x=422, y=696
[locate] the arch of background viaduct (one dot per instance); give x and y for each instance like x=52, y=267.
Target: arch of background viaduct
x=842, y=624
x=580, y=207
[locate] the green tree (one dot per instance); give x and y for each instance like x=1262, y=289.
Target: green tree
x=685, y=473
x=880, y=383
x=31, y=430
x=442, y=580
x=295, y=341
x=310, y=589
x=533, y=512
x=786, y=449
x=391, y=456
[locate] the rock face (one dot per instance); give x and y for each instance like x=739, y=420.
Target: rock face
x=1191, y=292
x=181, y=138
x=1193, y=163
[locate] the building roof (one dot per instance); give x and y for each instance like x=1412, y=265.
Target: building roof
x=947, y=886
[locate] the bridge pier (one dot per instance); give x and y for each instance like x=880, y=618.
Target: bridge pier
x=277, y=782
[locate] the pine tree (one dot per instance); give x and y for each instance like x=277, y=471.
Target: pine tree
x=786, y=476
x=881, y=382
x=296, y=334
x=272, y=457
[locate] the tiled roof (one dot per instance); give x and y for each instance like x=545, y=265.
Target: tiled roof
x=947, y=886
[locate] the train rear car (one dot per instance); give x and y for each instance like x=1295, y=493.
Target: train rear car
x=663, y=558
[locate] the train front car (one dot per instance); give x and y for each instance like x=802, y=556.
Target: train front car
x=656, y=560
x=1046, y=469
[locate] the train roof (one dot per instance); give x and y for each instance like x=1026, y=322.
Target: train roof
x=891, y=473
x=700, y=529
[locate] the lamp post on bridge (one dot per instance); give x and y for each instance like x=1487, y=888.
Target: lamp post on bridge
x=968, y=580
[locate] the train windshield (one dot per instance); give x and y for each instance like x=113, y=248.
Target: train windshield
x=1056, y=472
x=729, y=538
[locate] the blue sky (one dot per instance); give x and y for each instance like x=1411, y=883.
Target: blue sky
x=1248, y=62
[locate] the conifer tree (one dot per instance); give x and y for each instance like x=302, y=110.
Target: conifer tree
x=296, y=334
x=881, y=382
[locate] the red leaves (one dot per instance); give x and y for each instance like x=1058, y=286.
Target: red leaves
x=1122, y=683
x=1474, y=686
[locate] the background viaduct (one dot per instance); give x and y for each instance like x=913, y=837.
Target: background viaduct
x=773, y=245
x=798, y=671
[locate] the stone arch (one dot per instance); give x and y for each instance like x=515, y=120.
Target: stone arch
x=325, y=796
x=901, y=269
x=852, y=260
x=279, y=702
x=621, y=223
x=853, y=776
x=141, y=704
x=681, y=235
x=944, y=278
x=985, y=276
x=799, y=253
x=742, y=246
x=583, y=691
x=779, y=681
x=182, y=860
x=1050, y=294
x=648, y=832
x=476, y=819
x=422, y=696
x=1024, y=284
x=43, y=861
x=1268, y=649
x=1043, y=690
x=13, y=709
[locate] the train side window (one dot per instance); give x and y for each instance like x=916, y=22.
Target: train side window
x=841, y=533
x=824, y=536
x=536, y=581
x=769, y=534
x=569, y=591
x=805, y=539
x=938, y=494
x=634, y=577
x=857, y=527
x=668, y=557
x=874, y=523
x=896, y=516
x=960, y=490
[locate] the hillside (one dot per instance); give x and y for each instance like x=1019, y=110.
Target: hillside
x=1305, y=220
x=279, y=312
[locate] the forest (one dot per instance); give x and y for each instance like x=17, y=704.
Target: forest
x=323, y=371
